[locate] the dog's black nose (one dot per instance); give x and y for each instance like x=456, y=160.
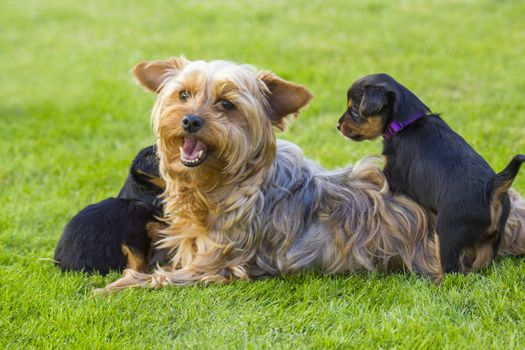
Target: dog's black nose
x=192, y=123
x=338, y=126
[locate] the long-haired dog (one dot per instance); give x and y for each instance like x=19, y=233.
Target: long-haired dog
x=118, y=232
x=429, y=162
x=241, y=205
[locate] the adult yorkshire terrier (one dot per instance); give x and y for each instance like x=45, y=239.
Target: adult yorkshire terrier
x=241, y=205
x=428, y=161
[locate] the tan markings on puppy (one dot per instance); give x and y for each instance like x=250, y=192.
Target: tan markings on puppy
x=502, y=189
x=477, y=257
x=153, y=229
x=496, y=210
x=347, y=127
x=496, y=206
x=152, y=179
x=483, y=256
x=136, y=260
x=370, y=128
x=350, y=103
x=157, y=181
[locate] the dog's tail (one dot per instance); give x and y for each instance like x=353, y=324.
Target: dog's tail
x=504, y=179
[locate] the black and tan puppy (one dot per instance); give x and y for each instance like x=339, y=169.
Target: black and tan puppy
x=428, y=161
x=117, y=232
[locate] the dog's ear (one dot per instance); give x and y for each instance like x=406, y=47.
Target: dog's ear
x=152, y=74
x=283, y=98
x=381, y=89
x=406, y=104
x=373, y=101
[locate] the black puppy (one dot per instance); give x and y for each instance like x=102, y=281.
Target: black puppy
x=426, y=160
x=117, y=232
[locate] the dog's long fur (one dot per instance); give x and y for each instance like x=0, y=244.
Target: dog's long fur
x=257, y=207
x=513, y=241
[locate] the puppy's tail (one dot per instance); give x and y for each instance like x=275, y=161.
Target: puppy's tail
x=504, y=179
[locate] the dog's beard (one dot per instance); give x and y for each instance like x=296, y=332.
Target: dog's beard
x=222, y=149
x=197, y=155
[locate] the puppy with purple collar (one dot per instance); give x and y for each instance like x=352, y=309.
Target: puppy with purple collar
x=426, y=160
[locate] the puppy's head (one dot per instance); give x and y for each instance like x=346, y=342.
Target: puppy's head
x=373, y=102
x=145, y=169
x=217, y=116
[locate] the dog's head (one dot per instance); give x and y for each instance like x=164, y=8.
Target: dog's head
x=145, y=169
x=144, y=183
x=373, y=102
x=217, y=116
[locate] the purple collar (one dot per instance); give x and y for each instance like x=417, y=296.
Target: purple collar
x=396, y=126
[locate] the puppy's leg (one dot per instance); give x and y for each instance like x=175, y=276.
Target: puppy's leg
x=478, y=257
x=449, y=256
x=451, y=240
x=484, y=256
x=136, y=259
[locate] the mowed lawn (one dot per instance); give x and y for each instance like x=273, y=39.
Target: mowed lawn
x=71, y=120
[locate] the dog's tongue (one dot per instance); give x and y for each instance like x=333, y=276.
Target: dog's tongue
x=192, y=147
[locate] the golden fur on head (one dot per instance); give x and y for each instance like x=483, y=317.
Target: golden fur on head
x=257, y=207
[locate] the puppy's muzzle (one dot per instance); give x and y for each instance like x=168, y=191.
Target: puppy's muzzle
x=339, y=122
x=192, y=123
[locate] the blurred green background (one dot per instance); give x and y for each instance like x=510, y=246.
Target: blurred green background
x=71, y=120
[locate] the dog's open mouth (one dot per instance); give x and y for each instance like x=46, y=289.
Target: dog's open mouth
x=193, y=152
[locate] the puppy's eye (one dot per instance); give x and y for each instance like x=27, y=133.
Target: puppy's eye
x=184, y=95
x=355, y=116
x=226, y=105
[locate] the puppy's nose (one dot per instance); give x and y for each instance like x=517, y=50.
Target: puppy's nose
x=338, y=126
x=192, y=123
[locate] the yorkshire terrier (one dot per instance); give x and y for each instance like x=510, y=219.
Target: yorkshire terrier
x=429, y=162
x=241, y=205
x=118, y=232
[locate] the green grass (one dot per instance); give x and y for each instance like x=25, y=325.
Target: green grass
x=71, y=120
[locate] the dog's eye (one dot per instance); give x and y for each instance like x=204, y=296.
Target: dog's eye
x=225, y=104
x=355, y=116
x=184, y=95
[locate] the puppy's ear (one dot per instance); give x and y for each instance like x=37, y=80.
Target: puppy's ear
x=405, y=105
x=283, y=98
x=373, y=101
x=152, y=74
